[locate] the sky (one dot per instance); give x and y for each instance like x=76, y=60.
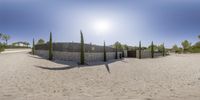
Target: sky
x=127, y=21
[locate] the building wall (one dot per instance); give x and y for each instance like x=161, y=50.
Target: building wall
x=19, y=44
x=75, y=56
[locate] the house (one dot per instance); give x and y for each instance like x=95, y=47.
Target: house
x=21, y=44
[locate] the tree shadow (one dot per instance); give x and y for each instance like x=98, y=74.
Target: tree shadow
x=71, y=64
x=37, y=57
x=69, y=67
x=94, y=63
x=124, y=61
x=55, y=68
x=107, y=67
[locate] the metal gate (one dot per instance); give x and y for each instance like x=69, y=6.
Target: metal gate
x=132, y=53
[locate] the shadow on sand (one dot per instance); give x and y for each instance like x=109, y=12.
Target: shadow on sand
x=36, y=57
x=70, y=65
x=107, y=67
x=55, y=68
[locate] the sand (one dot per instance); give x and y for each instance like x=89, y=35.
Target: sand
x=27, y=77
x=16, y=50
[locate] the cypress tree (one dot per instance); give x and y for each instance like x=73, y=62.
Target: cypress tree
x=50, y=47
x=140, y=50
x=82, y=55
x=33, y=48
x=152, y=50
x=116, y=54
x=104, y=52
x=163, y=49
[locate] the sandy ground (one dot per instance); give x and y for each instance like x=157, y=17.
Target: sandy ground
x=15, y=50
x=27, y=77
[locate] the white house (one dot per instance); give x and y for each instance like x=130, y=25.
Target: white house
x=20, y=44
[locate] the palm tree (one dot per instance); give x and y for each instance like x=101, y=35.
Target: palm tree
x=6, y=37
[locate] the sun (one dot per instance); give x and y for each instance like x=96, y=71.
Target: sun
x=102, y=26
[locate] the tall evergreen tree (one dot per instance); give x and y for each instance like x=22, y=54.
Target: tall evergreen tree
x=82, y=55
x=116, y=51
x=33, y=48
x=104, y=52
x=140, y=50
x=163, y=49
x=152, y=50
x=50, y=47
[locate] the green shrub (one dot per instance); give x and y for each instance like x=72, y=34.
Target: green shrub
x=179, y=51
x=2, y=47
x=118, y=47
x=41, y=41
x=194, y=49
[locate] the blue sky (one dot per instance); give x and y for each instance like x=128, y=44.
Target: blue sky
x=168, y=21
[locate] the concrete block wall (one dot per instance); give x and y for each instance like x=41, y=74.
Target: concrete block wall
x=73, y=47
x=158, y=54
x=147, y=54
x=68, y=56
x=125, y=53
x=75, y=56
x=42, y=53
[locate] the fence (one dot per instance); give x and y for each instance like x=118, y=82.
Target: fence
x=147, y=54
x=71, y=52
x=73, y=47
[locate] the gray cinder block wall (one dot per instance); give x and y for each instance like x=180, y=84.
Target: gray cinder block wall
x=147, y=54
x=70, y=52
x=75, y=56
x=125, y=53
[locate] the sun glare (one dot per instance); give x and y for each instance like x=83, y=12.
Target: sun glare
x=102, y=26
